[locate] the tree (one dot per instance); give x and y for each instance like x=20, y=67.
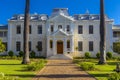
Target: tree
x=2, y=46
x=116, y=47
x=26, y=59
x=102, y=59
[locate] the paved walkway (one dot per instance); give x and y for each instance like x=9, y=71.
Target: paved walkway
x=62, y=70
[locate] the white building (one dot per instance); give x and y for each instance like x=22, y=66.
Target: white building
x=59, y=33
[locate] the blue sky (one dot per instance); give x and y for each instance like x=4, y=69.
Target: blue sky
x=11, y=7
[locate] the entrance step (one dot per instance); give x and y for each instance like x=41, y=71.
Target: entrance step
x=60, y=57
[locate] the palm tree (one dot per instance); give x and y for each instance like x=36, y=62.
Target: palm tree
x=26, y=59
x=102, y=59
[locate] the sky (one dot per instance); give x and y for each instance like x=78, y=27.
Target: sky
x=10, y=7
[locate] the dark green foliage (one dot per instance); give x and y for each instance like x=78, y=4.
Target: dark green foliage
x=114, y=76
x=87, y=66
x=21, y=53
x=109, y=55
x=32, y=54
x=116, y=47
x=87, y=55
x=36, y=66
x=98, y=55
x=11, y=53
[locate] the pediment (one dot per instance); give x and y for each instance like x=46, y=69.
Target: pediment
x=59, y=33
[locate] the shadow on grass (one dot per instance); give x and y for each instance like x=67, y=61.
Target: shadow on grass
x=10, y=64
x=100, y=75
x=22, y=75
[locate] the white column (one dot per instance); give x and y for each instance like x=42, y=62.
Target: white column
x=65, y=45
x=54, y=47
x=9, y=37
x=72, y=27
x=72, y=44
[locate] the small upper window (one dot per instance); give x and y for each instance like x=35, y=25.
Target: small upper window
x=52, y=28
x=30, y=30
x=18, y=29
x=68, y=28
x=59, y=26
x=90, y=29
x=39, y=29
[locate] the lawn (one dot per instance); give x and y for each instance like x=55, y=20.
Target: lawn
x=101, y=72
x=14, y=68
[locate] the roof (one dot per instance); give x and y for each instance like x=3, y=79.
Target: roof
x=3, y=26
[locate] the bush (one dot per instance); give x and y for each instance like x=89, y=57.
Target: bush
x=98, y=55
x=2, y=75
x=21, y=53
x=87, y=66
x=32, y=54
x=87, y=54
x=116, y=47
x=36, y=66
x=11, y=53
x=109, y=55
x=114, y=76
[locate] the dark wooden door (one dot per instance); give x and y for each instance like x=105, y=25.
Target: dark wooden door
x=60, y=47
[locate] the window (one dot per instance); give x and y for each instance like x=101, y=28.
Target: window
x=80, y=46
x=51, y=44
x=116, y=34
x=52, y=28
x=1, y=34
x=30, y=30
x=68, y=28
x=68, y=44
x=30, y=45
x=80, y=29
x=5, y=34
x=5, y=43
x=18, y=29
x=59, y=26
x=39, y=29
x=18, y=46
x=90, y=29
x=39, y=45
x=90, y=45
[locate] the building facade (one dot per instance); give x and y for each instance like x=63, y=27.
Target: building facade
x=59, y=33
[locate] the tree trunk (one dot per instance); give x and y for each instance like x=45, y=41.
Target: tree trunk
x=102, y=59
x=26, y=59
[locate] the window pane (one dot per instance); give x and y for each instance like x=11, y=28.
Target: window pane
x=18, y=46
x=80, y=29
x=39, y=45
x=30, y=45
x=18, y=29
x=51, y=44
x=30, y=30
x=39, y=29
x=5, y=34
x=80, y=46
x=68, y=44
x=52, y=28
x=91, y=29
x=1, y=34
x=68, y=28
x=91, y=46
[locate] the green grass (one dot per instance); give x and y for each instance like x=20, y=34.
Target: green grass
x=101, y=72
x=14, y=68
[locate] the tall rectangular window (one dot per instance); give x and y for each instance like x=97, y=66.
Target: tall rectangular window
x=91, y=46
x=90, y=29
x=51, y=44
x=68, y=44
x=30, y=29
x=39, y=45
x=18, y=29
x=39, y=29
x=5, y=34
x=1, y=34
x=18, y=46
x=59, y=26
x=52, y=28
x=30, y=46
x=80, y=46
x=5, y=43
x=80, y=29
x=68, y=28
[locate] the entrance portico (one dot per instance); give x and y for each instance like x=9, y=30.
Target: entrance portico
x=59, y=43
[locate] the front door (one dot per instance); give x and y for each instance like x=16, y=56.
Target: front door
x=60, y=47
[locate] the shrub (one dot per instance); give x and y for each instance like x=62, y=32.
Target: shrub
x=116, y=47
x=32, y=54
x=114, y=76
x=109, y=55
x=87, y=54
x=21, y=53
x=87, y=66
x=11, y=53
x=2, y=75
x=36, y=66
x=98, y=55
